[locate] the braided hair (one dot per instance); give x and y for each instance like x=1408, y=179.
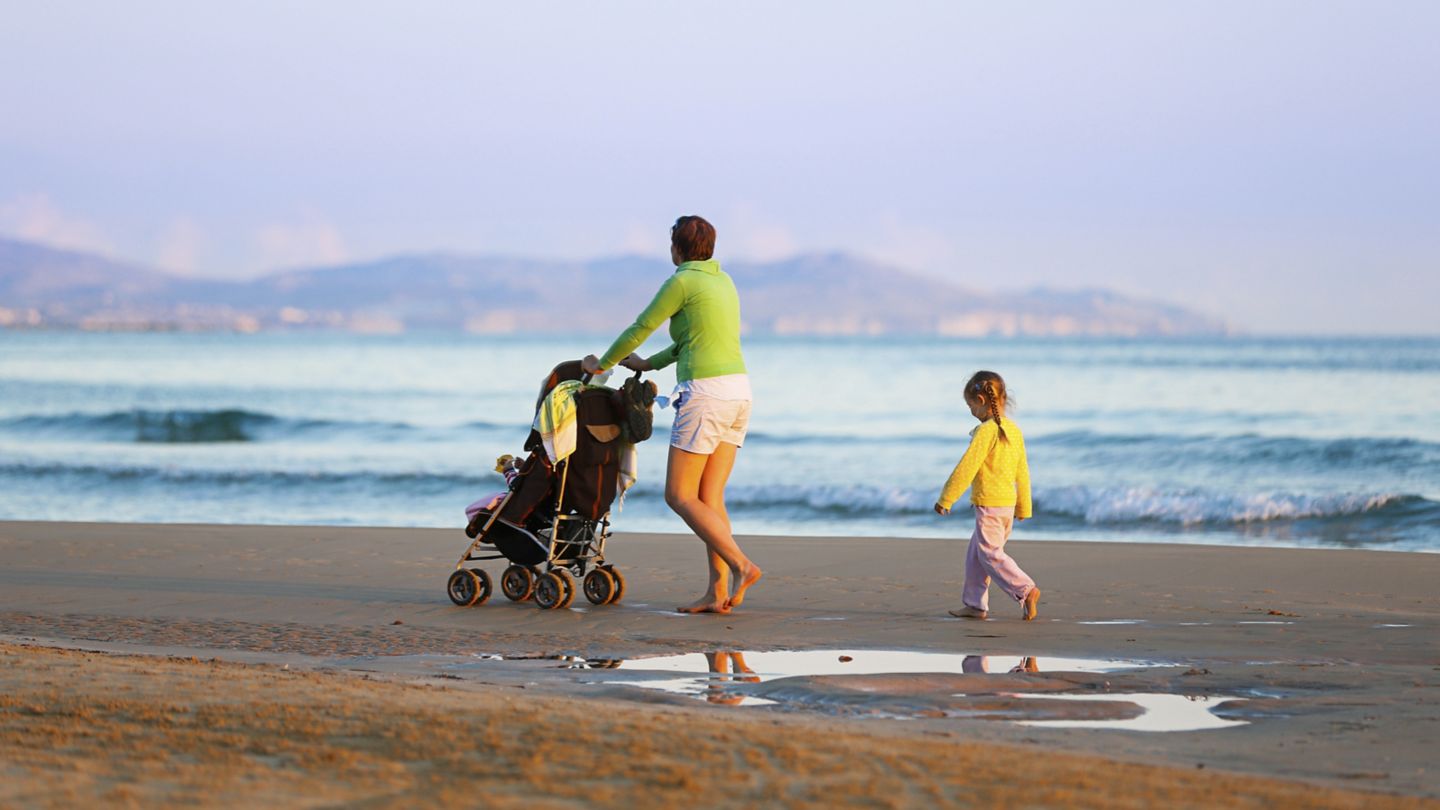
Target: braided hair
x=989, y=388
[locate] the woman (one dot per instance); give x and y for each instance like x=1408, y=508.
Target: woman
x=712, y=405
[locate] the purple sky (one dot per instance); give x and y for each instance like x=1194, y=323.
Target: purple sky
x=1273, y=163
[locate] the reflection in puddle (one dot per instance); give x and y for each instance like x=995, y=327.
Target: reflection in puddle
x=1044, y=692
x=1115, y=621
x=980, y=664
x=724, y=669
x=1161, y=712
x=726, y=677
x=578, y=662
x=793, y=663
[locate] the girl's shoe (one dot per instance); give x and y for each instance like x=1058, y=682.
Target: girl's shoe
x=968, y=612
x=1030, y=608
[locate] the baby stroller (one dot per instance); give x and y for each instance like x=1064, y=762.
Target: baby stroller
x=554, y=519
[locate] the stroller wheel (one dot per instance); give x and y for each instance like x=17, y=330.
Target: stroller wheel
x=517, y=583
x=599, y=587
x=569, y=582
x=619, y=583
x=550, y=591
x=468, y=587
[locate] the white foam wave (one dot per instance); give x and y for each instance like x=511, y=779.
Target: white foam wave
x=859, y=498
x=1134, y=504
x=1099, y=506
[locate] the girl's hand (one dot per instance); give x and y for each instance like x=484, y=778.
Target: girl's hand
x=636, y=363
x=940, y=510
x=590, y=365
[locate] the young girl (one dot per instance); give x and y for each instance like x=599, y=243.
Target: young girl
x=995, y=471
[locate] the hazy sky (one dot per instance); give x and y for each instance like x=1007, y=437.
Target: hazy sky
x=1273, y=163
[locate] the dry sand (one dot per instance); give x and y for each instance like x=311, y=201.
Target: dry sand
x=1334, y=653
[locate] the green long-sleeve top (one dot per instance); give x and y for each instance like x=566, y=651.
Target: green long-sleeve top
x=704, y=312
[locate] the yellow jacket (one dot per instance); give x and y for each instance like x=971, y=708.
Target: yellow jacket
x=994, y=469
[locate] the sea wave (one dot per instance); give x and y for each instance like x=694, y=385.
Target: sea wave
x=178, y=477
x=1091, y=448
x=1117, y=507
x=199, y=426
x=1131, y=505
x=772, y=438
x=1299, y=452
x=1095, y=506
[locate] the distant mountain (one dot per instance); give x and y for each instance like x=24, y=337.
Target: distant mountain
x=830, y=294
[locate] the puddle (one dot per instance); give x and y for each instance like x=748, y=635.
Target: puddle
x=789, y=664
x=730, y=678
x=1115, y=621
x=1394, y=625
x=895, y=684
x=1161, y=712
x=1264, y=622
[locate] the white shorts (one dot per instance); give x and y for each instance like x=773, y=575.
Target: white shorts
x=702, y=423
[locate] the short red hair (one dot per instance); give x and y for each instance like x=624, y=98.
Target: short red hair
x=693, y=238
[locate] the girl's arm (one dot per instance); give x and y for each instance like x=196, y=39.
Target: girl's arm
x=969, y=464
x=667, y=302
x=1022, y=486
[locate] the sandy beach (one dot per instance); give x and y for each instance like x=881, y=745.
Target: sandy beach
x=161, y=665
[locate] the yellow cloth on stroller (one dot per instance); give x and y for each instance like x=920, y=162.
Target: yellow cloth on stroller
x=556, y=422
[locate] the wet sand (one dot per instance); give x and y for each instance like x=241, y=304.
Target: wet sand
x=1328, y=661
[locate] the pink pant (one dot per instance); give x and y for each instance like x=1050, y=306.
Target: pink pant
x=986, y=559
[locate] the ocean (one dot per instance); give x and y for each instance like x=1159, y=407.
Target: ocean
x=1233, y=441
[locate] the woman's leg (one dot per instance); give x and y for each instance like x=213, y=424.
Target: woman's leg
x=712, y=494
x=682, y=492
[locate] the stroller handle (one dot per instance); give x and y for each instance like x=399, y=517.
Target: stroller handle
x=586, y=378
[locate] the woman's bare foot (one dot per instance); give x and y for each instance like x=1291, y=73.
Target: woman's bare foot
x=705, y=604
x=968, y=612
x=1030, y=608
x=743, y=581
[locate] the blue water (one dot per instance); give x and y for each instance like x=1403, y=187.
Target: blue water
x=1303, y=442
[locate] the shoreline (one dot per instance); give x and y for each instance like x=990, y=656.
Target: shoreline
x=1331, y=663
x=959, y=535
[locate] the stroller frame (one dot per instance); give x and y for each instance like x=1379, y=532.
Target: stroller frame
x=552, y=587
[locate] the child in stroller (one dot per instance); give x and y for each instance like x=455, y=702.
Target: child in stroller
x=552, y=521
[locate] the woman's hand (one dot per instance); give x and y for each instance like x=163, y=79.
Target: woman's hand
x=940, y=510
x=590, y=365
x=637, y=363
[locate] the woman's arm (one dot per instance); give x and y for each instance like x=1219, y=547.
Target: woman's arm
x=663, y=358
x=667, y=302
